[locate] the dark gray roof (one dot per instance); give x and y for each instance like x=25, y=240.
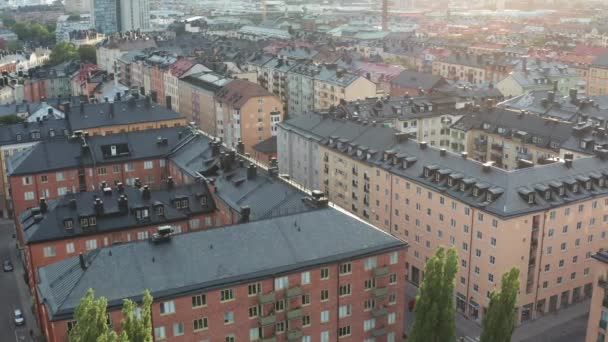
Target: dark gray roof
x=138, y=145
x=601, y=61
x=51, y=225
x=27, y=132
x=118, y=113
x=506, y=184
x=209, y=259
x=414, y=79
x=267, y=146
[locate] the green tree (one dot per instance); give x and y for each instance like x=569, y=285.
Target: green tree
x=7, y=20
x=10, y=119
x=499, y=320
x=138, y=327
x=14, y=45
x=434, y=310
x=87, y=54
x=62, y=52
x=91, y=320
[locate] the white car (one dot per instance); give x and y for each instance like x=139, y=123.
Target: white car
x=19, y=319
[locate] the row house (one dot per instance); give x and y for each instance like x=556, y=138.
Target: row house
x=196, y=94
x=333, y=290
x=246, y=112
x=181, y=68
x=77, y=223
x=546, y=222
x=86, y=161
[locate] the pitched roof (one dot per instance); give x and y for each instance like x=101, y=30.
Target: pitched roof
x=414, y=79
x=210, y=259
x=601, y=60
x=92, y=115
x=181, y=67
x=237, y=92
x=50, y=226
x=267, y=146
x=137, y=145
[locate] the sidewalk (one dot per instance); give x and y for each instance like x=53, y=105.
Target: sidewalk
x=550, y=321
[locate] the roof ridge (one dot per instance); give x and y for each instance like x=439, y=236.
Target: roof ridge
x=89, y=257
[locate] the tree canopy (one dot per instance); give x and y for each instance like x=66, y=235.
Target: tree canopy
x=499, y=320
x=92, y=321
x=87, y=54
x=62, y=52
x=434, y=310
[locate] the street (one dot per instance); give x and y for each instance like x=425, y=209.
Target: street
x=571, y=331
x=12, y=294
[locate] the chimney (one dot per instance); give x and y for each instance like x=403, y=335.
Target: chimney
x=240, y=147
x=442, y=152
x=148, y=101
x=83, y=262
x=568, y=163
x=245, y=213
x=145, y=193
x=112, y=109
x=573, y=95
x=215, y=148
x=464, y=155
x=170, y=183
x=106, y=99
x=154, y=96
x=98, y=205
x=42, y=204
x=273, y=162
x=49, y=111
x=120, y=187
x=123, y=204
x=168, y=101
x=137, y=182
x=251, y=171
x=72, y=203
x=551, y=97
x=66, y=107
x=118, y=96
x=423, y=145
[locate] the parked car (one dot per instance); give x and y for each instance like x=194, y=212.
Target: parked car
x=7, y=266
x=19, y=319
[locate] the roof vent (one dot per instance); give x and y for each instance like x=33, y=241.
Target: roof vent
x=487, y=167
x=107, y=191
x=442, y=152
x=83, y=262
x=145, y=192
x=464, y=155
x=423, y=145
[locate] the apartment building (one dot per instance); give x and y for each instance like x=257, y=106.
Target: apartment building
x=319, y=275
x=597, y=323
x=179, y=69
x=597, y=84
x=475, y=69
x=116, y=45
x=46, y=82
x=272, y=73
x=544, y=220
x=511, y=139
x=333, y=86
x=196, y=98
x=246, y=112
x=53, y=168
x=77, y=223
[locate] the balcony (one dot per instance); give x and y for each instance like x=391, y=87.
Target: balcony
x=294, y=314
x=603, y=324
x=380, y=292
x=294, y=291
x=379, y=332
x=267, y=320
x=294, y=335
x=379, y=312
x=267, y=298
x=605, y=303
x=380, y=271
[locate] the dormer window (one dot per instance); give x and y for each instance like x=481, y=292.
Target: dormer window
x=160, y=210
x=438, y=177
x=548, y=195
x=463, y=187
x=142, y=213
x=181, y=203
x=18, y=136
x=575, y=188
x=601, y=181
x=35, y=135
x=204, y=200
x=531, y=198
x=68, y=224
x=450, y=181
x=92, y=221
x=588, y=185
x=475, y=191
x=84, y=222
x=52, y=133
x=427, y=172
x=561, y=190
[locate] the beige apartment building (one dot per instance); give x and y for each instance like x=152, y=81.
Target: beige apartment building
x=597, y=323
x=547, y=220
x=597, y=83
x=246, y=112
x=196, y=98
x=332, y=87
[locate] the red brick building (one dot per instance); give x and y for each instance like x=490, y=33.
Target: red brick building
x=298, y=278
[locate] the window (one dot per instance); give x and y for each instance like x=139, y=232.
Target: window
x=491, y=277
x=69, y=247
x=167, y=307
x=369, y=324
x=394, y=258
x=48, y=251
x=281, y=283
x=324, y=316
x=60, y=176
x=44, y=178
x=324, y=295
x=345, y=268
x=279, y=305
x=148, y=164
x=305, y=278
x=254, y=289
x=200, y=324
x=324, y=336
x=102, y=171
x=392, y=318
x=392, y=299
x=345, y=290
x=199, y=300
x=28, y=195
x=253, y=311
x=178, y=329
x=229, y=338
x=159, y=333
x=305, y=299
x=369, y=284
x=91, y=244
x=492, y=260
x=129, y=167
x=226, y=295
x=254, y=334
x=142, y=235
x=324, y=273
x=369, y=304
x=344, y=331
x=344, y=310
x=392, y=278
x=370, y=263
x=228, y=317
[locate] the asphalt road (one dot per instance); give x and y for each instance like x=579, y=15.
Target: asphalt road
x=11, y=295
x=573, y=331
